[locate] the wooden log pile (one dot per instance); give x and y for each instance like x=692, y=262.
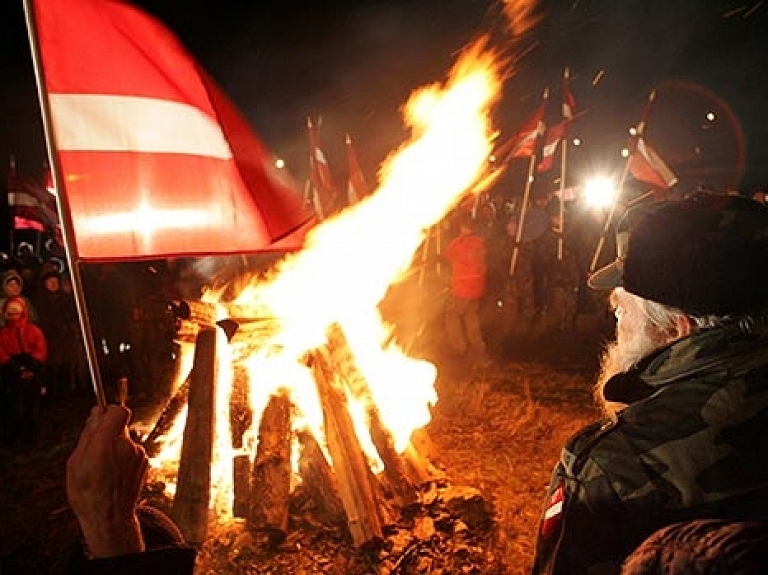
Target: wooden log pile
x=337, y=476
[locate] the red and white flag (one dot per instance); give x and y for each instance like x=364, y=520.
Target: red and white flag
x=552, y=140
x=357, y=188
x=569, y=101
x=32, y=206
x=155, y=159
x=647, y=166
x=320, y=173
x=523, y=143
x=559, y=131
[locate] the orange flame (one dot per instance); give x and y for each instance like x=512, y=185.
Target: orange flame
x=349, y=262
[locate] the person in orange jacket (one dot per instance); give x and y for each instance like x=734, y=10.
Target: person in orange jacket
x=23, y=351
x=466, y=254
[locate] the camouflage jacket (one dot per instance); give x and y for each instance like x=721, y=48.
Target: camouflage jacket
x=691, y=443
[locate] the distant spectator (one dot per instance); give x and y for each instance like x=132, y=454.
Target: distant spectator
x=466, y=254
x=23, y=352
x=58, y=319
x=13, y=286
x=525, y=288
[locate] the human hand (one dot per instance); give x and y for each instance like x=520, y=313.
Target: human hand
x=105, y=473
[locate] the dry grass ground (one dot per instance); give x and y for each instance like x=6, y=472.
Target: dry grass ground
x=502, y=433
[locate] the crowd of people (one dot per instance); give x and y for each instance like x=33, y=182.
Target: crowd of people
x=671, y=480
x=514, y=276
x=132, y=313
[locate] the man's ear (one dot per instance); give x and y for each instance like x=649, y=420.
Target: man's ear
x=683, y=326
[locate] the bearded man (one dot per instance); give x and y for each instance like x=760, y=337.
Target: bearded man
x=684, y=388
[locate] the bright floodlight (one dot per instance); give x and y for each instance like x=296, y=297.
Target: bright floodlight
x=599, y=192
x=279, y=163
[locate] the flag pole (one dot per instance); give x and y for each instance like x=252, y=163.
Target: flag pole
x=608, y=219
x=639, y=129
x=67, y=226
x=523, y=209
x=568, y=117
x=561, y=227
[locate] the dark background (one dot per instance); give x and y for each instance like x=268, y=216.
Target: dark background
x=355, y=63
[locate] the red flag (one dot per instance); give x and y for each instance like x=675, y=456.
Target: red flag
x=155, y=160
x=356, y=186
x=523, y=143
x=32, y=207
x=558, y=132
x=551, y=144
x=569, y=102
x=320, y=173
x=647, y=166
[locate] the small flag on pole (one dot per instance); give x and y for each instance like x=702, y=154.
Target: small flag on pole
x=320, y=173
x=357, y=188
x=645, y=164
x=559, y=131
x=523, y=143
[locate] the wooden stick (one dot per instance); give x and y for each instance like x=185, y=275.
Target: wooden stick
x=240, y=412
x=354, y=476
x=166, y=419
x=319, y=481
x=241, y=485
x=403, y=489
x=190, y=505
x=403, y=478
x=271, y=474
x=122, y=390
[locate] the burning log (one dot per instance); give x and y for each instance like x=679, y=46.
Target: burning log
x=241, y=485
x=190, y=505
x=240, y=420
x=405, y=472
x=152, y=445
x=271, y=476
x=202, y=314
x=240, y=413
x=402, y=487
x=319, y=481
x=354, y=476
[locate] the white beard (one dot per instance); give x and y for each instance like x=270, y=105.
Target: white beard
x=622, y=355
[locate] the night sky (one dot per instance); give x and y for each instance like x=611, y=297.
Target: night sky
x=355, y=62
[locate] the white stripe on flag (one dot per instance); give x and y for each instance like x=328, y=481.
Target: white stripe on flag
x=21, y=199
x=112, y=123
x=554, y=510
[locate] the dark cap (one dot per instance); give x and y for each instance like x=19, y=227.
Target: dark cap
x=704, y=255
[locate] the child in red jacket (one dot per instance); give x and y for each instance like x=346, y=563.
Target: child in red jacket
x=23, y=351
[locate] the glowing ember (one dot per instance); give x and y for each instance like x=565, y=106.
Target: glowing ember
x=345, y=269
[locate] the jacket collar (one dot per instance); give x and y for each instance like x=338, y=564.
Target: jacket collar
x=742, y=344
